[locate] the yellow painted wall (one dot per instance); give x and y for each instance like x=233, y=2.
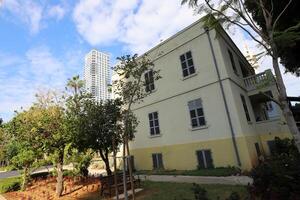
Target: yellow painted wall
x=183, y=156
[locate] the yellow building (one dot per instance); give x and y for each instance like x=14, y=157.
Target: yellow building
x=206, y=110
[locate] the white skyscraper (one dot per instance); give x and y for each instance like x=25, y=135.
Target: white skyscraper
x=96, y=74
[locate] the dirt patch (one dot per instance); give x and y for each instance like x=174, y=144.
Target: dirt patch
x=40, y=189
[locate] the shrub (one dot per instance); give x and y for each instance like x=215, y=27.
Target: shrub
x=199, y=192
x=278, y=176
x=10, y=184
x=234, y=196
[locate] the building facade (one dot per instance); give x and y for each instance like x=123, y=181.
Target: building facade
x=96, y=74
x=206, y=110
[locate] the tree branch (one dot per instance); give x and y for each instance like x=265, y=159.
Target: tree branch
x=236, y=23
x=278, y=17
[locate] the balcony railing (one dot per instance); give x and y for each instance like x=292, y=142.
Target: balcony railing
x=260, y=80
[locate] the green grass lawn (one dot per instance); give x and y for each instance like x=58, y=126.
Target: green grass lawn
x=183, y=191
x=179, y=191
x=226, y=171
x=8, y=184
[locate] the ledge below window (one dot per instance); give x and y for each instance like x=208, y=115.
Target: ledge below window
x=154, y=136
x=199, y=128
x=152, y=91
x=189, y=76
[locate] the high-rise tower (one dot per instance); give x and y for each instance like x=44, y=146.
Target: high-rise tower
x=96, y=74
x=251, y=58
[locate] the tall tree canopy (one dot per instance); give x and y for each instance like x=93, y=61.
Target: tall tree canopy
x=100, y=127
x=287, y=30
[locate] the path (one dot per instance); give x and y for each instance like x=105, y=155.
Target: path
x=228, y=180
x=15, y=173
x=2, y=198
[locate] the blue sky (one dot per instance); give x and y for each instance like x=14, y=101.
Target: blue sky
x=43, y=43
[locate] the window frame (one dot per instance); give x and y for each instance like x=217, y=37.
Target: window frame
x=155, y=127
x=206, y=163
x=232, y=61
x=257, y=149
x=187, y=64
x=157, y=162
x=246, y=110
x=196, y=114
x=149, y=81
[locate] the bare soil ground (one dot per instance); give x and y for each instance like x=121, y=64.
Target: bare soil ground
x=44, y=189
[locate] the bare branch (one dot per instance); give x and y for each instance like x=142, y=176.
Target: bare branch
x=278, y=17
x=264, y=10
x=255, y=28
x=236, y=23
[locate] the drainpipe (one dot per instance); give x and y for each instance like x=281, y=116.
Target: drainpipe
x=224, y=98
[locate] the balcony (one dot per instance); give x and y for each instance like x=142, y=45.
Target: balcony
x=259, y=81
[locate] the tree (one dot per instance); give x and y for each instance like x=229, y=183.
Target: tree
x=100, y=124
x=55, y=139
x=56, y=135
x=24, y=147
x=278, y=176
x=234, y=12
x=131, y=87
x=286, y=32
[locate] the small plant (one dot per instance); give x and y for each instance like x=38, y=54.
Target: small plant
x=234, y=196
x=199, y=192
x=10, y=184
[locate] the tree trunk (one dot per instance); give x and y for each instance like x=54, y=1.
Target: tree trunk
x=59, y=179
x=130, y=170
x=124, y=170
x=106, y=162
x=108, y=171
x=115, y=168
x=25, y=178
x=286, y=111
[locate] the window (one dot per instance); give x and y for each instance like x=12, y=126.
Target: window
x=232, y=62
x=245, y=108
x=157, y=161
x=272, y=147
x=245, y=71
x=258, y=152
x=196, y=113
x=154, y=124
x=187, y=64
x=204, y=159
x=149, y=81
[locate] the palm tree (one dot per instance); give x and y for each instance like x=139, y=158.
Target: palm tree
x=75, y=84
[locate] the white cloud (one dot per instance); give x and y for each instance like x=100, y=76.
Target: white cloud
x=100, y=21
x=57, y=11
x=28, y=12
x=32, y=12
x=38, y=68
x=137, y=24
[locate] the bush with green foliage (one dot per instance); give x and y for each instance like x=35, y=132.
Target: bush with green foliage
x=10, y=184
x=234, y=196
x=218, y=171
x=81, y=161
x=199, y=192
x=278, y=176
